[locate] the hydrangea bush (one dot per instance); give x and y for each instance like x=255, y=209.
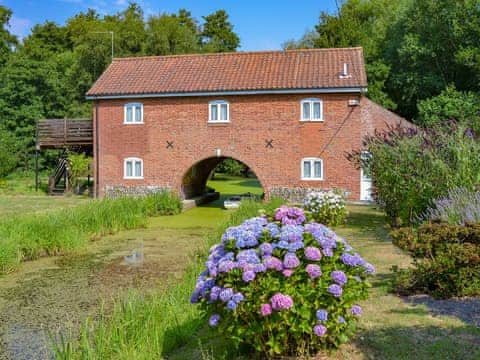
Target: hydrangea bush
x=326, y=207
x=283, y=285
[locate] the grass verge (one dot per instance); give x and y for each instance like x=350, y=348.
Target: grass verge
x=31, y=236
x=149, y=327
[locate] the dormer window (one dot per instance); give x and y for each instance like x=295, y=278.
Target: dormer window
x=218, y=111
x=312, y=110
x=133, y=113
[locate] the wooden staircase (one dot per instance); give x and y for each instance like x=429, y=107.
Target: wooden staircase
x=58, y=180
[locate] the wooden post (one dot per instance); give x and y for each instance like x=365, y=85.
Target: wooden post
x=36, y=155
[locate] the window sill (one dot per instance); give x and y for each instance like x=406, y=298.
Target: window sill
x=312, y=121
x=133, y=178
x=133, y=123
x=311, y=179
x=218, y=122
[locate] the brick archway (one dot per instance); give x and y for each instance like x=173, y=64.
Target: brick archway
x=194, y=180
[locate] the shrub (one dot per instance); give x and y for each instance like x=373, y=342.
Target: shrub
x=79, y=168
x=446, y=260
x=326, y=207
x=459, y=207
x=411, y=168
x=283, y=286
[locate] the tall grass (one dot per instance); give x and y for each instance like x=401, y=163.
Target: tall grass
x=31, y=236
x=149, y=327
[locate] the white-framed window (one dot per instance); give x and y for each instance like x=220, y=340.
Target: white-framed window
x=133, y=168
x=312, y=169
x=311, y=110
x=133, y=113
x=218, y=111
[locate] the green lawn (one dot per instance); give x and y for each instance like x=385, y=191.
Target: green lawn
x=234, y=185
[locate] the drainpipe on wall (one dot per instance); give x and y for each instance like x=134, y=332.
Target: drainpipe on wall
x=96, y=152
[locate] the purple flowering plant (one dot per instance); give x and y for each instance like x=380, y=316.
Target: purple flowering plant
x=280, y=283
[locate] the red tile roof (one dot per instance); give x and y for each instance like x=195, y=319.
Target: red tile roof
x=231, y=72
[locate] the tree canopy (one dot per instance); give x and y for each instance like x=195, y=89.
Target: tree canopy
x=47, y=74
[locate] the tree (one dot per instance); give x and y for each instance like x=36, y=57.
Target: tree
x=171, y=34
x=45, y=40
x=217, y=33
x=7, y=40
x=435, y=43
x=450, y=104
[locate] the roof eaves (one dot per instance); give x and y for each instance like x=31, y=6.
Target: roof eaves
x=329, y=90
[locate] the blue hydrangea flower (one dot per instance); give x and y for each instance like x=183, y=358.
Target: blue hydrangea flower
x=322, y=315
x=238, y=297
x=291, y=233
x=214, y=320
x=231, y=305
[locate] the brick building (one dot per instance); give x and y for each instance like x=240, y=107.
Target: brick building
x=291, y=116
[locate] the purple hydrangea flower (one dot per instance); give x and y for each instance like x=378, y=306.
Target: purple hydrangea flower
x=341, y=320
x=249, y=256
x=319, y=330
x=339, y=277
x=226, y=294
x=195, y=297
x=287, y=272
x=313, y=271
x=215, y=293
x=290, y=261
x=328, y=252
x=335, y=290
x=231, y=305
x=290, y=216
x=265, y=309
x=248, y=276
x=369, y=268
x=259, y=268
x=226, y=266
x=281, y=302
x=322, y=315
x=356, y=310
x=214, y=320
x=312, y=253
x=294, y=246
x=271, y=262
x=266, y=249
x=238, y=297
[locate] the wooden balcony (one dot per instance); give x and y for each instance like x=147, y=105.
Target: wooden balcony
x=64, y=133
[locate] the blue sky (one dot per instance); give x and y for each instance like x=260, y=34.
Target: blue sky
x=261, y=25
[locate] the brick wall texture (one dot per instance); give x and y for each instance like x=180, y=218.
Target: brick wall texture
x=254, y=119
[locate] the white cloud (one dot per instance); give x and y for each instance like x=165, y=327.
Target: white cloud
x=20, y=26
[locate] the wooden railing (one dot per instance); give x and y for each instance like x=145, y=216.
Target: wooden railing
x=62, y=133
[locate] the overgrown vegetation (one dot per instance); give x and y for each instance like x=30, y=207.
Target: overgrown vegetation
x=411, y=167
x=31, y=236
x=149, y=327
x=446, y=260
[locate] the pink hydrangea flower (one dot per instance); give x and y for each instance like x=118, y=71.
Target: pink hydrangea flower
x=265, y=309
x=281, y=302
